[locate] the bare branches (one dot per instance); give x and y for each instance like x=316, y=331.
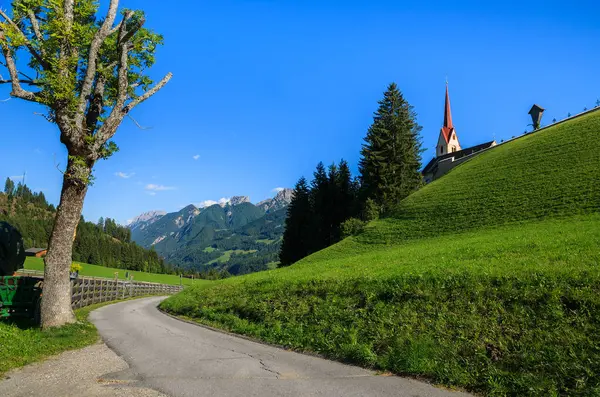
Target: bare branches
x=29, y=82
x=138, y=124
x=109, y=128
x=48, y=118
x=17, y=90
x=97, y=41
x=28, y=44
x=21, y=73
x=148, y=93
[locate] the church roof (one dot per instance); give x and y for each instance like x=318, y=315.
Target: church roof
x=457, y=155
x=448, y=127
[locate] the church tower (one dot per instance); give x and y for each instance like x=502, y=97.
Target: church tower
x=448, y=140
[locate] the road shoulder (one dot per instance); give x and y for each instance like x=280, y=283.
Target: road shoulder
x=86, y=372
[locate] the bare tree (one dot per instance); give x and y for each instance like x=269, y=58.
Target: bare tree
x=89, y=72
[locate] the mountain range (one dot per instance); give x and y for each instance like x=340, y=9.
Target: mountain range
x=233, y=235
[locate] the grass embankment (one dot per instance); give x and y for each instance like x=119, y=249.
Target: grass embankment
x=22, y=343
x=109, y=272
x=488, y=278
x=555, y=172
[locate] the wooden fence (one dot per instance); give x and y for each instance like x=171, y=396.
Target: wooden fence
x=88, y=291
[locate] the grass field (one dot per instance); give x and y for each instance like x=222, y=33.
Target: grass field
x=487, y=279
x=227, y=256
x=108, y=272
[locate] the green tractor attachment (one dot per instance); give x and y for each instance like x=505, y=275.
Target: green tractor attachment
x=19, y=296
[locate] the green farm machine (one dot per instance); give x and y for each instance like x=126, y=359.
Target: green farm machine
x=19, y=295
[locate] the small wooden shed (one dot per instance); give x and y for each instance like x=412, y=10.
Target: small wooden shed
x=37, y=252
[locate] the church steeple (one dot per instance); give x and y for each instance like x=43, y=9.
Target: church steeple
x=447, y=111
x=448, y=141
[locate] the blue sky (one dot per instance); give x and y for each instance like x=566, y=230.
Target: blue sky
x=263, y=90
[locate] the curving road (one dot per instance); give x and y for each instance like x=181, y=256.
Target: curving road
x=182, y=359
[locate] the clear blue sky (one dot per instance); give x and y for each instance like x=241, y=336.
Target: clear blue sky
x=263, y=90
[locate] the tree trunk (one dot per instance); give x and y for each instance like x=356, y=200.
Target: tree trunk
x=56, y=301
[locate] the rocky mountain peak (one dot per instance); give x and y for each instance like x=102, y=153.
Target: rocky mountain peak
x=282, y=199
x=237, y=200
x=285, y=196
x=145, y=219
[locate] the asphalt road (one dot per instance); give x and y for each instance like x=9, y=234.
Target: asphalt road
x=182, y=359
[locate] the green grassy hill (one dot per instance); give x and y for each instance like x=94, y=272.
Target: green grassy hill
x=554, y=172
x=488, y=278
x=109, y=272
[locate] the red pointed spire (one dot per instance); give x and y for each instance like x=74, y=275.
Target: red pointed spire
x=448, y=126
x=447, y=111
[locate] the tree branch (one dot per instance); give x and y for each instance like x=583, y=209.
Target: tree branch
x=148, y=93
x=28, y=44
x=17, y=90
x=97, y=41
x=29, y=82
x=109, y=128
x=36, y=28
x=123, y=45
x=21, y=73
x=138, y=124
x=96, y=104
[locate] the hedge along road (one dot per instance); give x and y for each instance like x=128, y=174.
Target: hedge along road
x=182, y=359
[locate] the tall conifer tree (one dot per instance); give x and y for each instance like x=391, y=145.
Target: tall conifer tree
x=320, y=196
x=345, y=206
x=297, y=238
x=9, y=187
x=391, y=155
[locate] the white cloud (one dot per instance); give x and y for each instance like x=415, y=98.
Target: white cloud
x=196, y=157
x=278, y=189
x=208, y=203
x=151, y=193
x=124, y=175
x=158, y=188
x=16, y=177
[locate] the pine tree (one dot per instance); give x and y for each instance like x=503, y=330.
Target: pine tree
x=391, y=155
x=297, y=238
x=320, y=196
x=345, y=200
x=9, y=187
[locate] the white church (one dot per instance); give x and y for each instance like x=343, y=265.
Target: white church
x=448, y=152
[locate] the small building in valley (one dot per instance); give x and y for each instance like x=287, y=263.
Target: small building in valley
x=37, y=252
x=448, y=152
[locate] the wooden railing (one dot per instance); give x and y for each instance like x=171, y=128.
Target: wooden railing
x=88, y=291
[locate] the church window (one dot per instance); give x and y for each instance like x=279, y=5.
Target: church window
x=453, y=149
x=441, y=149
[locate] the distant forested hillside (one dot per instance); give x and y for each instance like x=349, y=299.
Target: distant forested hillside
x=236, y=237
x=104, y=243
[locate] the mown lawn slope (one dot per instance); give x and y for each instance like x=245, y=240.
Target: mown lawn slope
x=487, y=279
x=88, y=270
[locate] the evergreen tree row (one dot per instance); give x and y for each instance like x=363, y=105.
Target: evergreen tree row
x=103, y=243
x=316, y=213
x=335, y=205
